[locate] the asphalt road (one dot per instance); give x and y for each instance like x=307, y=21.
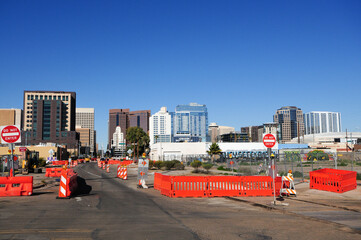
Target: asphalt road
x=116, y=209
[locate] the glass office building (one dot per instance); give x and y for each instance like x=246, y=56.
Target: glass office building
x=190, y=123
x=322, y=122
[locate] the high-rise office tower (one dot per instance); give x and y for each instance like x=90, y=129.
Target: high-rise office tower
x=50, y=117
x=322, y=122
x=126, y=119
x=190, y=123
x=140, y=119
x=160, y=127
x=85, y=119
x=291, y=123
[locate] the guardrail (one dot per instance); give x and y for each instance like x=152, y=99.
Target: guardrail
x=333, y=180
x=215, y=186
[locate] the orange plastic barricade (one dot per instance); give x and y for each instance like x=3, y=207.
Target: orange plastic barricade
x=166, y=187
x=221, y=186
x=16, y=186
x=189, y=186
x=59, y=162
x=333, y=180
x=68, y=183
x=53, y=172
x=257, y=186
x=215, y=186
x=157, y=181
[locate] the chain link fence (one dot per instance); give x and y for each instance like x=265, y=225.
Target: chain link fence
x=300, y=163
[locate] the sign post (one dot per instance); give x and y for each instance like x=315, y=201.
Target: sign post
x=11, y=134
x=269, y=142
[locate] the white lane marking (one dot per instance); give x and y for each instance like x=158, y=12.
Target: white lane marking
x=90, y=173
x=78, y=199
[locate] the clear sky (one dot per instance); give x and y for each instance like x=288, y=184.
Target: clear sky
x=243, y=59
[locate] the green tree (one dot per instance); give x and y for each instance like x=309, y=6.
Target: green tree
x=137, y=137
x=214, y=150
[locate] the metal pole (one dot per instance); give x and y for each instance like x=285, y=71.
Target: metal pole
x=273, y=174
x=12, y=159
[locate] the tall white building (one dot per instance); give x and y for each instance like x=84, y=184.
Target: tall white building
x=322, y=122
x=85, y=119
x=118, y=142
x=160, y=127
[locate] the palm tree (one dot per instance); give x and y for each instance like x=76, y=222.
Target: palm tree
x=214, y=150
x=136, y=136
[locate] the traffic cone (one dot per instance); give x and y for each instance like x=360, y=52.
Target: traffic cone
x=103, y=166
x=108, y=168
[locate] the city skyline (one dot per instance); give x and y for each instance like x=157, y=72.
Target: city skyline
x=243, y=60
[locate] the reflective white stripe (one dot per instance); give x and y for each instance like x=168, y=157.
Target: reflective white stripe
x=62, y=190
x=63, y=179
x=11, y=134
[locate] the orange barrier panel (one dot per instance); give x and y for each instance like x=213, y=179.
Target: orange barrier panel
x=59, y=162
x=68, y=183
x=333, y=180
x=166, y=186
x=220, y=186
x=215, y=186
x=157, y=181
x=16, y=186
x=189, y=186
x=53, y=172
x=256, y=186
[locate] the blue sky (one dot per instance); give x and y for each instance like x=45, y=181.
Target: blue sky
x=243, y=59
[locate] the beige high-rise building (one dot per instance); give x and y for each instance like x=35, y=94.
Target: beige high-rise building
x=85, y=119
x=68, y=98
x=10, y=117
x=84, y=136
x=291, y=123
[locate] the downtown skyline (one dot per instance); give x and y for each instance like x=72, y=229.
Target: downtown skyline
x=242, y=60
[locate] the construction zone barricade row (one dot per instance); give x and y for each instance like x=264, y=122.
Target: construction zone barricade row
x=68, y=183
x=214, y=186
x=333, y=180
x=16, y=186
x=53, y=172
x=59, y=162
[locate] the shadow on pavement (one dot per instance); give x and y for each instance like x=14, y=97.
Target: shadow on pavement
x=41, y=193
x=83, y=188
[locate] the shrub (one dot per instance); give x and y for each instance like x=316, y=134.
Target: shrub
x=179, y=166
x=41, y=162
x=158, y=164
x=207, y=166
x=221, y=168
x=196, y=164
x=297, y=174
x=168, y=165
x=343, y=163
x=151, y=164
x=358, y=176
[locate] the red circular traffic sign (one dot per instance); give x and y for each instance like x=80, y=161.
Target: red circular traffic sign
x=10, y=134
x=269, y=140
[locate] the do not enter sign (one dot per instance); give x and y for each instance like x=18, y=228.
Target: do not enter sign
x=10, y=134
x=269, y=140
